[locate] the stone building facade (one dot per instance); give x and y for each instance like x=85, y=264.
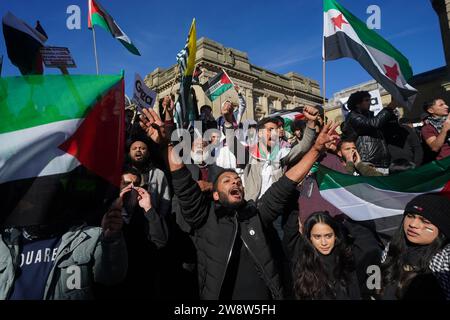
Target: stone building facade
x=265, y=91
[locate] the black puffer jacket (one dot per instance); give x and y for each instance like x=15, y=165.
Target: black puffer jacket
x=216, y=228
x=368, y=129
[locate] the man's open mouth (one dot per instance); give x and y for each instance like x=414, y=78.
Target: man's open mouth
x=236, y=193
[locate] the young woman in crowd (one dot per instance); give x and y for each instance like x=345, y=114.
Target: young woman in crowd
x=321, y=259
x=416, y=263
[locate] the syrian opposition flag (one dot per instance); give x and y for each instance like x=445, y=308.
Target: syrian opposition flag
x=99, y=17
x=347, y=36
x=61, y=147
x=382, y=200
x=23, y=44
x=216, y=86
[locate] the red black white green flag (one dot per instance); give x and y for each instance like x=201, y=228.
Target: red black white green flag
x=61, y=147
x=216, y=86
x=347, y=36
x=99, y=17
x=23, y=44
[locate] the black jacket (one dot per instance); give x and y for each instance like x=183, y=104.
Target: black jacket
x=368, y=130
x=294, y=243
x=196, y=175
x=403, y=143
x=215, y=230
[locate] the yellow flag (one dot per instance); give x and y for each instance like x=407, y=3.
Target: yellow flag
x=192, y=47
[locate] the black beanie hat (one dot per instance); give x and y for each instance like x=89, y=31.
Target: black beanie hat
x=434, y=207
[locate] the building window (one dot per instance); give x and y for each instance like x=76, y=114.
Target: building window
x=257, y=100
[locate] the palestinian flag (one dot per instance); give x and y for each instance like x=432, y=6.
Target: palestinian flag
x=216, y=86
x=347, y=36
x=61, y=147
x=289, y=116
x=23, y=44
x=382, y=200
x=99, y=17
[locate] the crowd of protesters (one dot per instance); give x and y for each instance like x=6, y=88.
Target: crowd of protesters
x=236, y=214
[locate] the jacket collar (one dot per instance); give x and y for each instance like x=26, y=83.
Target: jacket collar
x=244, y=212
x=365, y=113
x=11, y=237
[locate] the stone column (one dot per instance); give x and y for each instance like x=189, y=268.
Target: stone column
x=250, y=111
x=442, y=8
x=265, y=104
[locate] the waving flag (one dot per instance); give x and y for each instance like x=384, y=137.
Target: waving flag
x=185, y=114
x=61, y=146
x=347, y=36
x=23, y=44
x=186, y=57
x=99, y=17
x=216, y=86
x=380, y=198
x=289, y=116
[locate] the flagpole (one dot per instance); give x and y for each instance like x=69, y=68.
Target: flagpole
x=95, y=49
x=323, y=81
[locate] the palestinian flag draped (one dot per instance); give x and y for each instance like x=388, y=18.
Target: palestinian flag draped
x=347, y=36
x=61, y=147
x=99, y=17
x=381, y=200
x=216, y=86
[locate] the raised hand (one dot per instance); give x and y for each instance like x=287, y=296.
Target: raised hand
x=328, y=134
x=205, y=186
x=310, y=113
x=356, y=157
x=392, y=105
x=153, y=126
x=145, y=201
x=446, y=125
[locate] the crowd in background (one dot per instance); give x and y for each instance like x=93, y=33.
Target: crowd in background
x=238, y=215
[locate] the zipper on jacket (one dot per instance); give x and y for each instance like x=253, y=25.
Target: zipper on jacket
x=229, y=253
x=259, y=265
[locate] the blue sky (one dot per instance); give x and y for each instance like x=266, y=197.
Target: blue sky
x=279, y=35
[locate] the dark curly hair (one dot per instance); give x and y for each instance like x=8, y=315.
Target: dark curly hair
x=356, y=98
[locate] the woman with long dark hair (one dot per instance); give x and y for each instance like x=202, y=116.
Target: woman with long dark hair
x=416, y=263
x=321, y=259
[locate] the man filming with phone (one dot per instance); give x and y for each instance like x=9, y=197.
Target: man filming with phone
x=145, y=233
